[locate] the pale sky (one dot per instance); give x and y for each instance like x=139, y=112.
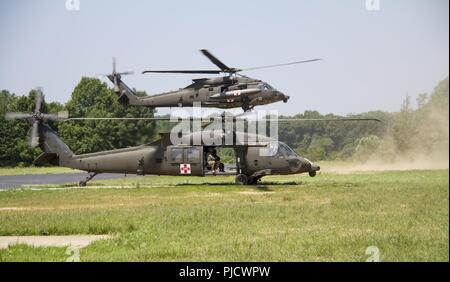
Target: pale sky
x=371, y=59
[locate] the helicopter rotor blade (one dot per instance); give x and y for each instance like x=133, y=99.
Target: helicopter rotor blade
x=224, y=68
x=280, y=65
x=57, y=117
x=216, y=61
x=63, y=115
x=114, y=70
x=323, y=119
x=124, y=118
x=234, y=118
x=126, y=73
x=36, y=118
x=34, y=140
x=184, y=71
x=16, y=115
x=50, y=116
x=114, y=65
x=38, y=100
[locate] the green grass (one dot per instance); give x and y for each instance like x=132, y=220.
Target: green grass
x=34, y=170
x=331, y=217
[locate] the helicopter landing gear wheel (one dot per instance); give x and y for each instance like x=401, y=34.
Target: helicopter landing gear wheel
x=241, y=179
x=253, y=180
x=312, y=173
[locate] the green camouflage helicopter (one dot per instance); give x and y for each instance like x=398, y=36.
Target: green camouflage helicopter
x=163, y=157
x=230, y=91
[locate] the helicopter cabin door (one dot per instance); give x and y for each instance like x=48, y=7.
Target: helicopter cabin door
x=185, y=160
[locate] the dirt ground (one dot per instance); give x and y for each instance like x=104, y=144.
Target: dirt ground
x=79, y=241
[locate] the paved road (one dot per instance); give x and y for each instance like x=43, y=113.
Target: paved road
x=15, y=181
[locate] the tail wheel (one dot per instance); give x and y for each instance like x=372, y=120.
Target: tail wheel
x=241, y=179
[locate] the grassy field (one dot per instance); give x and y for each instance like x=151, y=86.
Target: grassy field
x=332, y=217
x=35, y=170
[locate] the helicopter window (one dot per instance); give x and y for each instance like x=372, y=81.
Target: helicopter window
x=272, y=150
x=176, y=155
x=287, y=150
x=266, y=86
x=193, y=154
x=280, y=150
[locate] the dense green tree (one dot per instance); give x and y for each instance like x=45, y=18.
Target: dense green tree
x=344, y=135
x=92, y=98
x=14, y=140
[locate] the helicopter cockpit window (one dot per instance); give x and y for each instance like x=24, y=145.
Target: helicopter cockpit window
x=287, y=151
x=266, y=86
x=176, y=155
x=282, y=150
x=271, y=150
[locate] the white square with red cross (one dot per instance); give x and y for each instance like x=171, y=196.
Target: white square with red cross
x=185, y=168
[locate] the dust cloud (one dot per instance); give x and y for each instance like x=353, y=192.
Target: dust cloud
x=374, y=166
x=418, y=139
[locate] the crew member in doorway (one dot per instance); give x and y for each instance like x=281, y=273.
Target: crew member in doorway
x=213, y=160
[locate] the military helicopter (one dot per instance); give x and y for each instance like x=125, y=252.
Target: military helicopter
x=230, y=91
x=162, y=157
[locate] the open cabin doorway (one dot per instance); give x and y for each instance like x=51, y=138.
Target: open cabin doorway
x=226, y=164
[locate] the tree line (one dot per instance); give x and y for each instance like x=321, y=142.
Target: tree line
x=90, y=98
x=420, y=129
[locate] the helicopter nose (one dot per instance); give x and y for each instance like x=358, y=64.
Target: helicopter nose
x=315, y=167
x=280, y=96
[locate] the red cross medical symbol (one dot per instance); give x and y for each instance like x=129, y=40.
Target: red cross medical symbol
x=185, y=168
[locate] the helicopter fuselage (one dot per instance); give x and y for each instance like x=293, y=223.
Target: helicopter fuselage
x=230, y=91
x=164, y=158
x=219, y=92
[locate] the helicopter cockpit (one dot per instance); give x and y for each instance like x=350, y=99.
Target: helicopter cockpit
x=271, y=94
x=280, y=150
x=283, y=159
x=266, y=86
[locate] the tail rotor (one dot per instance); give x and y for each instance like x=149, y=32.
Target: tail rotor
x=115, y=76
x=36, y=118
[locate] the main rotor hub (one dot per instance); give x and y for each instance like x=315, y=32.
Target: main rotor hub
x=37, y=116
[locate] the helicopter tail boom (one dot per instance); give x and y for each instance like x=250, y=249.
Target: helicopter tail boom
x=55, y=150
x=125, y=94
